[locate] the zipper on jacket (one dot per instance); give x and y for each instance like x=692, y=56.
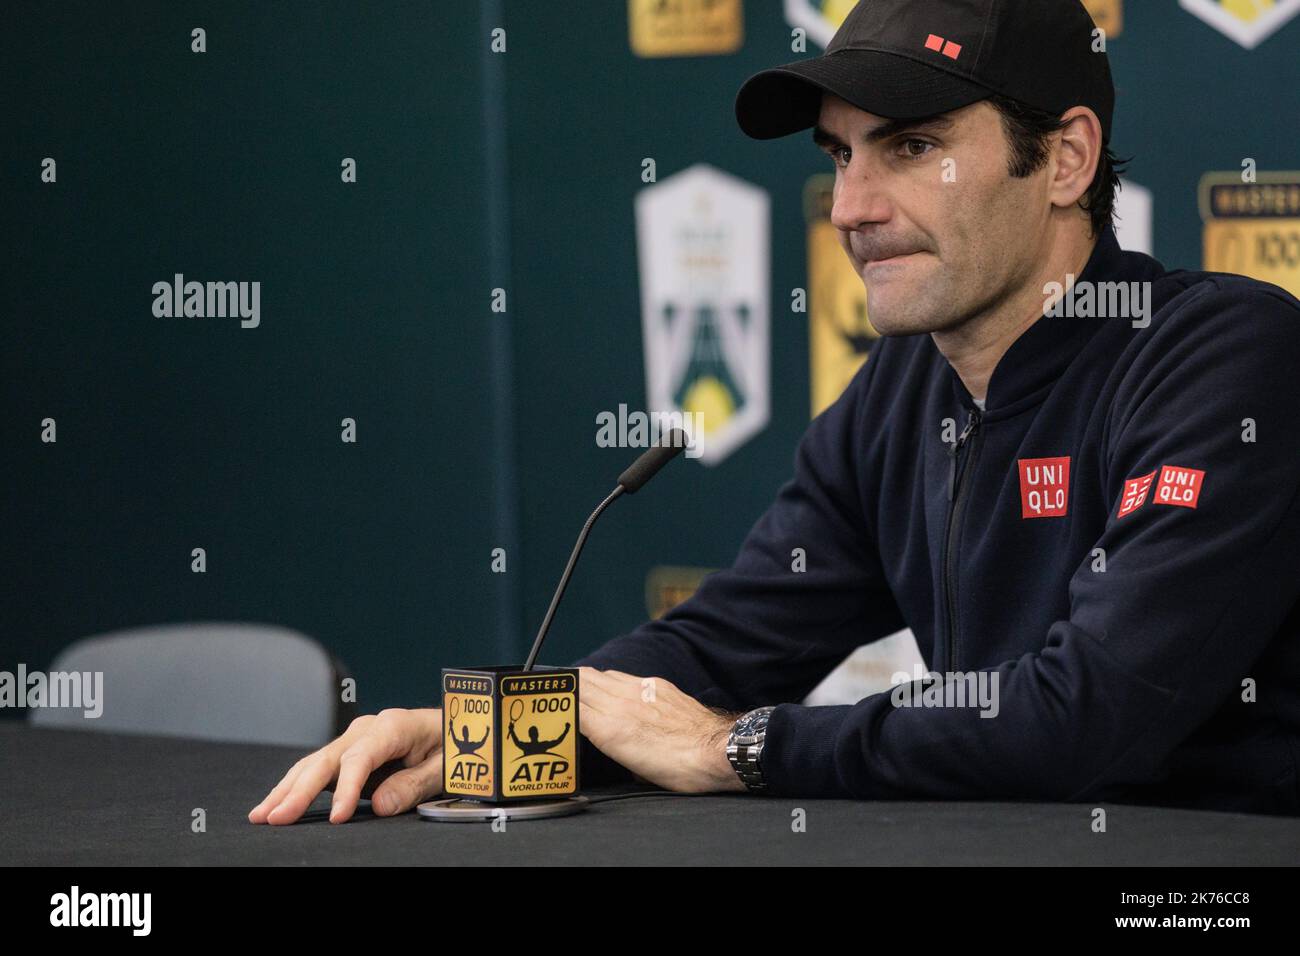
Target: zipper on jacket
x=956, y=485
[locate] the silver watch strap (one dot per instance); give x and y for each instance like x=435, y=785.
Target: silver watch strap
x=744, y=759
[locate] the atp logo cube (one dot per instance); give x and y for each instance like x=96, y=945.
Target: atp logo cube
x=510, y=734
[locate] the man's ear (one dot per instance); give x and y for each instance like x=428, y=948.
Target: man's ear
x=1077, y=155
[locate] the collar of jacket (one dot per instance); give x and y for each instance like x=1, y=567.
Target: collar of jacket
x=1036, y=360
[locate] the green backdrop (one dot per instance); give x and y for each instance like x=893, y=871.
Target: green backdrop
x=476, y=430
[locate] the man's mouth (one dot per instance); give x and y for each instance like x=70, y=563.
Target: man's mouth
x=891, y=260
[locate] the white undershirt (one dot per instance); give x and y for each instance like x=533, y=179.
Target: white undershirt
x=979, y=402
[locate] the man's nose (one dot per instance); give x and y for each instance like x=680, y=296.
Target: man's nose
x=859, y=200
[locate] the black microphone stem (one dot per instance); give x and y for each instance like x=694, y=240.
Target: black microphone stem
x=564, y=578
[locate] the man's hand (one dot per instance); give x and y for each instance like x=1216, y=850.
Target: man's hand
x=413, y=736
x=656, y=731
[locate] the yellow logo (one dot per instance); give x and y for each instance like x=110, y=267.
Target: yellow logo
x=840, y=335
x=684, y=27
x=1249, y=22
x=667, y=587
x=467, y=723
x=539, y=749
x=818, y=18
x=1107, y=14
x=1253, y=229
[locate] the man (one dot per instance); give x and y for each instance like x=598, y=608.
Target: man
x=1070, y=472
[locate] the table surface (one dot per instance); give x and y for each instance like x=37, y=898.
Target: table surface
x=77, y=798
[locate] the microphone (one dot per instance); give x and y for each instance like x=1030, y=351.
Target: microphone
x=631, y=481
x=648, y=465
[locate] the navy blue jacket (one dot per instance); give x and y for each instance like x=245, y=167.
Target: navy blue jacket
x=1117, y=537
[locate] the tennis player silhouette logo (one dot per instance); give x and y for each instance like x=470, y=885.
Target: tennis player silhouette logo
x=465, y=747
x=533, y=746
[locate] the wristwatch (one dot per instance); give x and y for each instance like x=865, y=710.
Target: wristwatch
x=745, y=747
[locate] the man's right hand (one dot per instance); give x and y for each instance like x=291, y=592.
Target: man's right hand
x=412, y=736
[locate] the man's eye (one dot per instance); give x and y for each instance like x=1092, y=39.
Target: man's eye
x=916, y=148
x=840, y=156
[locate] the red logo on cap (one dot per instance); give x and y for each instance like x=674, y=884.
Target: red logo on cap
x=1044, y=487
x=940, y=45
x=1179, y=486
x=1135, y=492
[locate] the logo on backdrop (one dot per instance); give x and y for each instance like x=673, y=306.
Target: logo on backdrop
x=1249, y=22
x=684, y=27
x=1253, y=228
x=667, y=586
x=840, y=336
x=703, y=254
x=820, y=18
x=1108, y=15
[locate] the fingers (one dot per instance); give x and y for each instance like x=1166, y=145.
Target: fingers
x=613, y=683
x=607, y=679
x=394, y=733
x=278, y=793
x=627, y=686
x=596, y=723
x=404, y=789
x=354, y=767
x=605, y=721
x=597, y=696
x=327, y=754
x=412, y=735
x=312, y=779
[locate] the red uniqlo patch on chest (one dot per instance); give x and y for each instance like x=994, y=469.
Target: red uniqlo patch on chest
x=1044, y=487
x=1135, y=492
x=1179, y=486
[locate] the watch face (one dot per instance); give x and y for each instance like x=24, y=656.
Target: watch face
x=753, y=723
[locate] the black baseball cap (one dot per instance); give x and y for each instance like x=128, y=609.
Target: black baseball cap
x=906, y=59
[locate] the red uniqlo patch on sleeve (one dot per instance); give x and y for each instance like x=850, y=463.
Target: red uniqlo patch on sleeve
x=1179, y=486
x=1135, y=492
x=1044, y=487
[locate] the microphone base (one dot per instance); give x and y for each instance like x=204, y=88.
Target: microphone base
x=457, y=810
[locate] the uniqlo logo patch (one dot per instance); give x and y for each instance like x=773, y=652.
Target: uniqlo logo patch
x=1179, y=486
x=1044, y=487
x=1135, y=492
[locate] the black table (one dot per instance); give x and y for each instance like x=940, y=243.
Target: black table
x=73, y=798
